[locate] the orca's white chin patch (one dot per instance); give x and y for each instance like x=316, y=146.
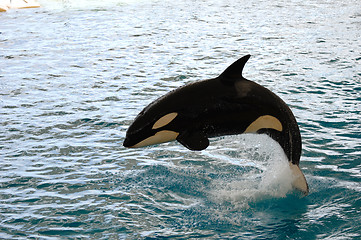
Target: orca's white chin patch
x=299, y=181
x=159, y=137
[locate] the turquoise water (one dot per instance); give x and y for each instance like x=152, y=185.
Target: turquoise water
x=73, y=75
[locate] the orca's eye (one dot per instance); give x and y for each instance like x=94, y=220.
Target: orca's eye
x=164, y=120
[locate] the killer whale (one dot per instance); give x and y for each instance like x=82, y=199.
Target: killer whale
x=226, y=105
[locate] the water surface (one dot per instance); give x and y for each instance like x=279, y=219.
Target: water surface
x=73, y=75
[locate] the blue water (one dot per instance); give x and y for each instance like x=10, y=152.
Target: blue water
x=74, y=74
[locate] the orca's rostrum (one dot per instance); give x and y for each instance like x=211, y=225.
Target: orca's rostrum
x=226, y=105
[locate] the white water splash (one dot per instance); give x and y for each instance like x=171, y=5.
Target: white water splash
x=267, y=172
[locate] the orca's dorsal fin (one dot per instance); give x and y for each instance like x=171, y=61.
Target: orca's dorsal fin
x=234, y=71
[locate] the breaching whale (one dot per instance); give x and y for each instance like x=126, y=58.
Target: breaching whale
x=226, y=105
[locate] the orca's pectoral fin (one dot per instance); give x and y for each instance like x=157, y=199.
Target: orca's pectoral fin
x=193, y=140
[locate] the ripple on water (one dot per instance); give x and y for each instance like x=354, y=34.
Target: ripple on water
x=73, y=77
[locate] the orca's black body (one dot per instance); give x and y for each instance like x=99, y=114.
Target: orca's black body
x=226, y=105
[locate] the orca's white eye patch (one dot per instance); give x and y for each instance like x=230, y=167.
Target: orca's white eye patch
x=164, y=120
